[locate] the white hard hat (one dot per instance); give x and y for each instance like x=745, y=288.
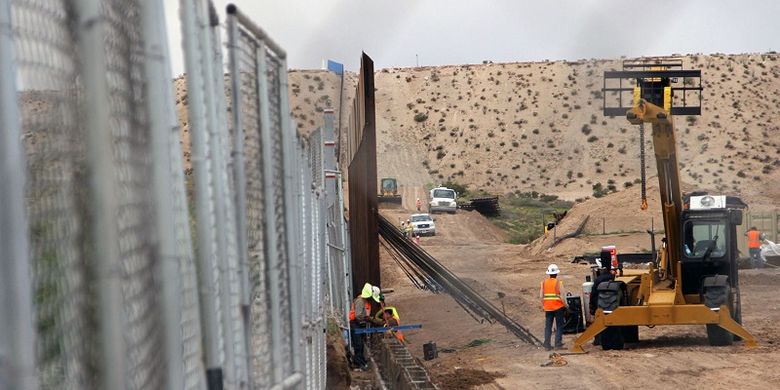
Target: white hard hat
x=375, y=293
x=552, y=269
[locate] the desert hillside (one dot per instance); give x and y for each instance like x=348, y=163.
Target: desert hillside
x=538, y=126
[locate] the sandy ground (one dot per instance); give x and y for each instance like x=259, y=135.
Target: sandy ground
x=666, y=356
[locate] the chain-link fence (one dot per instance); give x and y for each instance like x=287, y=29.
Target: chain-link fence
x=121, y=269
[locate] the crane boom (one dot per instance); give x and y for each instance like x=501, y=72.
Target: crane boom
x=665, y=145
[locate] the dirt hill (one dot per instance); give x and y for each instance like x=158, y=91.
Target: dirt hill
x=538, y=126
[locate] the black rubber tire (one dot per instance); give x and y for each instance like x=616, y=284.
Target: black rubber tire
x=714, y=297
x=631, y=333
x=612, y=336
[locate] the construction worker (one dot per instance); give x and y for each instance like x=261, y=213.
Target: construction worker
x=360, y=317
x=554, y=306
x=409, y=229
x=755, y=238
x=391, y=318
x=419, y=204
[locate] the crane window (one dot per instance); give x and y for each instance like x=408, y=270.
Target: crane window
x=702, y=237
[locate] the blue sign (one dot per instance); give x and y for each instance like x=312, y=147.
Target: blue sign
x=335, y=67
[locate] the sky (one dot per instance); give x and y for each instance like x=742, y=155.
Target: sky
x=399, y=33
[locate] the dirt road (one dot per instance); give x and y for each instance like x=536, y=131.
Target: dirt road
x=486, y=356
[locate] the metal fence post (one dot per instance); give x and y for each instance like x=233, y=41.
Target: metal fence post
x=200, y=160
x=288, y=134
x=215, y=96
x=240, y=184
x=17, y=333
x=272, y=254
x=159, y=98
x=103, y=194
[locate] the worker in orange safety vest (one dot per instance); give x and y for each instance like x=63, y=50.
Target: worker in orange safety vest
x=554, y=306
x=755, y=238
x=389, y=315
x=360, y=317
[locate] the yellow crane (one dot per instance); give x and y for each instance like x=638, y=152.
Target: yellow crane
x=694, y=280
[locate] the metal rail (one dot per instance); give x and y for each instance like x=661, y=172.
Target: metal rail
x=459, y=290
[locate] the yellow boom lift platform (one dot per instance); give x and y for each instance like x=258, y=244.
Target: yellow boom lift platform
x=694, y=279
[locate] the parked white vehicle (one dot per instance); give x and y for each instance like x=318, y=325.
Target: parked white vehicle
x=443, y=199
x=423, y=225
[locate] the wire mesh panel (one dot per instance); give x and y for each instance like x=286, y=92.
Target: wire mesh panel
x=130, y=132
x=281, y=263
x=55, y=189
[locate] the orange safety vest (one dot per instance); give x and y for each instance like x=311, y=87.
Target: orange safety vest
x=398, y=334
x=551, y=294
x=754, y=239
x=366, y=306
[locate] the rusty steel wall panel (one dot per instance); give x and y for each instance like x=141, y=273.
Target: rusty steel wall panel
x=362, y=179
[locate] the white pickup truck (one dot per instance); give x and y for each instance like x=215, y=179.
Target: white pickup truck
x=443, y=199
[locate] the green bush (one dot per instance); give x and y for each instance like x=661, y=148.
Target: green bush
x=420, y=117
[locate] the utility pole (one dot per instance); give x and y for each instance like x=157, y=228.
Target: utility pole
x=417, y=59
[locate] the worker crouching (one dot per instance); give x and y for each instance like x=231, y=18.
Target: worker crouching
x=554, y=306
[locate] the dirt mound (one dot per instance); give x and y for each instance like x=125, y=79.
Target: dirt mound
x=616, y=214
x=465, y=378
x=339, y=376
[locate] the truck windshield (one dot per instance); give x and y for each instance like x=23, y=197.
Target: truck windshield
x=449, y=194
x=420, y=218
x=701, y=236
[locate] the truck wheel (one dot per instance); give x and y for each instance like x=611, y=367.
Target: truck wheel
x=717, y=292
x=610, y=294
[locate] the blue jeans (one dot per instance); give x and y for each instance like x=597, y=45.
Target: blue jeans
x=358, y=341
x=755, y=258
x=548, y=322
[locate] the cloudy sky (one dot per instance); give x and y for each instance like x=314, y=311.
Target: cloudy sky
x=396, y=32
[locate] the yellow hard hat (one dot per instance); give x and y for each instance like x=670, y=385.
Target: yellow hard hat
x=367, y=291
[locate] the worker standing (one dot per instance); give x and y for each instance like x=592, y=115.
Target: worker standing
x=409, y=229
x=419, y=204
x=754, y=247
x=360, y=317
x=554, y=306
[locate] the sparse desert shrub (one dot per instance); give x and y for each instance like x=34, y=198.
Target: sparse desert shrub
x=593, y=138
x=586, y=129
x=420, y=117
x=515, y=143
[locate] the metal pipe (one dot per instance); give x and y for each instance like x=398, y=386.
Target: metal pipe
x=158, y=98
x=258, y=32
x=289, y=382
x=217, y=127
x=209, y=314
x=17, y=325
x=102, y=192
